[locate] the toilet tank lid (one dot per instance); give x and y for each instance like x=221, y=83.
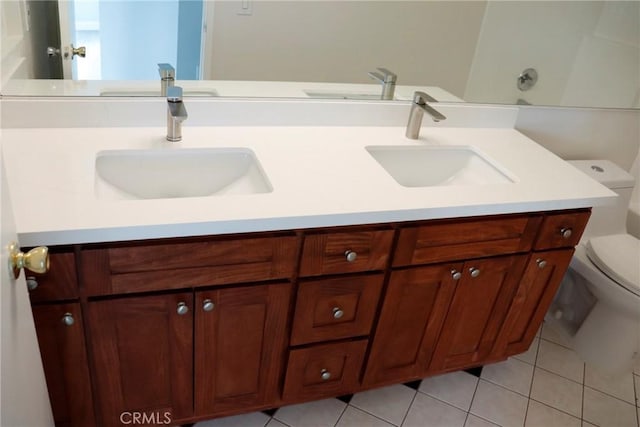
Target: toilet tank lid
x=605, y=172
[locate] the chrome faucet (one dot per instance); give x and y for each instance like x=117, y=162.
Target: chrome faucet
x=167, y=77
x=418, y=108
x=176, y=113
x=388, y=81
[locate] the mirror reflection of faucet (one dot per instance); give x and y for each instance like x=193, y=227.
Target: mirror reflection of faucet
x=419, y=106
x=167, y=77
x=388, y=81
x=176, y=113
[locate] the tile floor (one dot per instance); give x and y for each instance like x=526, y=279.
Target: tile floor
x=547, y=386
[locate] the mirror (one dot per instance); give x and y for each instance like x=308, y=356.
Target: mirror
x=566, y=53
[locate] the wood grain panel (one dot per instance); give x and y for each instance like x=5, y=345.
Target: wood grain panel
x=452, y=240
x=342, y=361
x=550, y=236
x=65, y=364
x=356, y=296
x=60, y=282
x=326, y=253
x=240, y=347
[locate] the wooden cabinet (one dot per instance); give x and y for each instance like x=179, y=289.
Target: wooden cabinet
x=193, y=328
x=62, y=347
x=414, y=307
x=324, y=370
x=142, y=351
x=536, y=290
x=335, y=308
x=240, y=342
x=479, y=306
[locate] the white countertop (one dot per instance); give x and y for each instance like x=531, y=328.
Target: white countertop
x=321, y=176
x=215, y=88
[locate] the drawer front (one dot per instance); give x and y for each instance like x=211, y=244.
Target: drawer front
x=562, y=230
x=60, y=282
x=145, y=268
x=451, y=240
x=324, y=370
x=349, y=252
x=332, y=309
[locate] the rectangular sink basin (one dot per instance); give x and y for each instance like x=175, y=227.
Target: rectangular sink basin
x=420, y=166
x=175, y=173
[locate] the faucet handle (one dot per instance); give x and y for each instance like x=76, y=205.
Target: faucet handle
x=389, y=77
x=384, y=76
x=166, y=71
x=174, y=94
x=422, y=98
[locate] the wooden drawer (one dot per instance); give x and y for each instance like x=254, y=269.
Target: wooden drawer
x=166, y=265
x=324, y=370
x=349, y=252
x=332, y=309
x=60, y=282
x=562, y=230
x=450, y=240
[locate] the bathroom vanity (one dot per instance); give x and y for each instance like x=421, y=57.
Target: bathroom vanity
x=337, y=272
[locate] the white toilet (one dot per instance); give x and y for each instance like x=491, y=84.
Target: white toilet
x=597, y=307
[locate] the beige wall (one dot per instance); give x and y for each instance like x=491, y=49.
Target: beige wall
x=339, y=41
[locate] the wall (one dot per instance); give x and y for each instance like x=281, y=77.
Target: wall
x=584, y=133
x=15, y=44
x=296, y=40
x=586, y=53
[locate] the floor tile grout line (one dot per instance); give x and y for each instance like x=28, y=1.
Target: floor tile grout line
x=535, y=360
x=447, y=403
x=373, y=415
x=609, y=395
x=409, y=408
x=561, y=410
x=559, y=375
x=471, y=403
x=346, y=405
x=584, y=380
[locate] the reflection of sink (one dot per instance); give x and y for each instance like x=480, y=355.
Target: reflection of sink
x=419, y=166
x=153, y=92
x=342, y=95
x=172, y=173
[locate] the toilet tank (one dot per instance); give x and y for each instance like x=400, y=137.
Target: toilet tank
x=610, y=219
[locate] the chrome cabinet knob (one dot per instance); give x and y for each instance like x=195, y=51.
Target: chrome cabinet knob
x=337, y=313
x=182, y=308
x=36, y=260
x=541, y=263
x=325, y=375
x=566, y=232
x=350, y=255
x=32, y=283
x=475, y=272
x=455, y=274
x=208, y=305
x=68, y=319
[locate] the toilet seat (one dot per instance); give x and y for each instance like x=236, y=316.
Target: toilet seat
x=617, y=256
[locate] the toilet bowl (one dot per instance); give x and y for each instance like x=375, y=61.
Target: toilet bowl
x=597, y=308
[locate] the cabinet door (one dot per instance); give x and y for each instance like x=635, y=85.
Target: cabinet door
x=415, y=305
x=62, y=347
x=239, y=348
x=143, y=357
x=538, y=286
x=480, y=303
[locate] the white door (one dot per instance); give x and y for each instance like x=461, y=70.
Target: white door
x=23, y=392
x=67, y=38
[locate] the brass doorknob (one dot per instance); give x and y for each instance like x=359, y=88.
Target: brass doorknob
x=36, y=260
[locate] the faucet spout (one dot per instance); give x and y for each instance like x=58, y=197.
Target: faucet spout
x=176, y=113
x=167, y=77
x=418, y=108
x=388, y=81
